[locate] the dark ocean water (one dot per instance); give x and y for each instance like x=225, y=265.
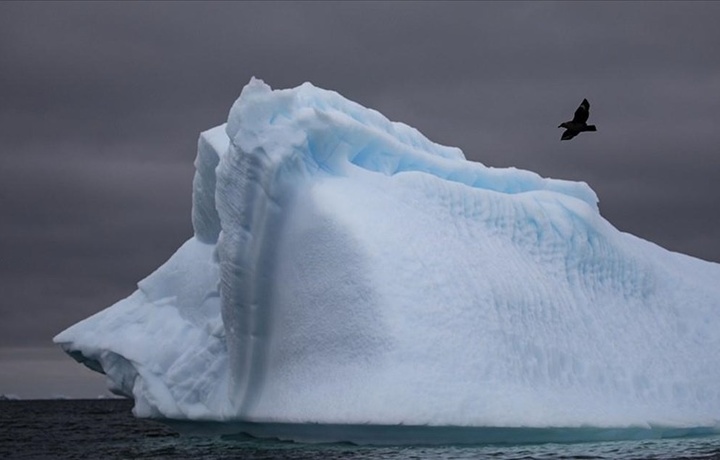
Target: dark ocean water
x=106, y=429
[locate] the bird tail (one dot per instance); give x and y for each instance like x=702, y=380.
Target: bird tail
x=591, y=128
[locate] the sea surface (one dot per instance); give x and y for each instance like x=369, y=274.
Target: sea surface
x=106, y=429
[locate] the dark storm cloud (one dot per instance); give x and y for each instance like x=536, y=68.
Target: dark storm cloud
x=101, y=105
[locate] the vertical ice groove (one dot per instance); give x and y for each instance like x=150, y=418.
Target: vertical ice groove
x=249, y=200
x=237, y=184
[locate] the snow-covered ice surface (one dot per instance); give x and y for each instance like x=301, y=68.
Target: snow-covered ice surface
x=345, y=270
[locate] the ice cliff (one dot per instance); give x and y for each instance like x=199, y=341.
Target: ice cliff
x=347, y=270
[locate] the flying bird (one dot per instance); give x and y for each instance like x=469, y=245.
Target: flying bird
x=579, y=122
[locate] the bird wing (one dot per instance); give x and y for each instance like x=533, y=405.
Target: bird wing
x=568, y=134
x=582, y=113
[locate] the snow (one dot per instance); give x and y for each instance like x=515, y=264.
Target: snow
x=347, y=270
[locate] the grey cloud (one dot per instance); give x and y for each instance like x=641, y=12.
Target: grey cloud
x=78, y=235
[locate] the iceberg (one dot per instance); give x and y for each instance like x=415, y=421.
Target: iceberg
x=347, y=271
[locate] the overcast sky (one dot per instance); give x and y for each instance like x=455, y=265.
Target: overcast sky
x=101, y=105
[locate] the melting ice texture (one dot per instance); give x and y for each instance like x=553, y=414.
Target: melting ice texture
x=347, y=270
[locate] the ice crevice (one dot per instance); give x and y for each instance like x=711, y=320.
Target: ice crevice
x=347, y=270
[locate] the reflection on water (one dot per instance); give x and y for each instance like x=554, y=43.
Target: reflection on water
x=106, y=429
x=428, y=435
